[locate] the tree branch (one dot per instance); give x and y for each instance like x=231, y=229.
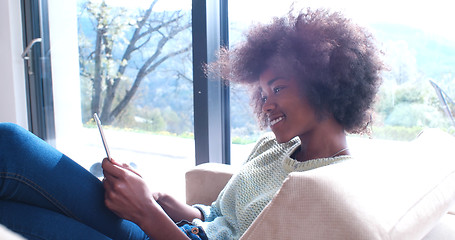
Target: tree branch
x=139, y=77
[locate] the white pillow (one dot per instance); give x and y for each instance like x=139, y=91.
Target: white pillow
x=398, y=192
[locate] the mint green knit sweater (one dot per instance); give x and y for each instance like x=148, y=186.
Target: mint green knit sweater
x=253, y=187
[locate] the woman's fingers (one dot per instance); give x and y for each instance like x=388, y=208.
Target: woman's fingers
x=109, y=169
x=116, y=169
x=127, y=196
x=126, y=166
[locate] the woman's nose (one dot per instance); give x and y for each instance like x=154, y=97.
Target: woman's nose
x=268, y=106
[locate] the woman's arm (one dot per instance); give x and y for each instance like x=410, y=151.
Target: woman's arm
x=127, y=195
x=157, y=224
x=177, y=210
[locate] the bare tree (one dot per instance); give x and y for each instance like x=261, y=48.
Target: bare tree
x=119, y=39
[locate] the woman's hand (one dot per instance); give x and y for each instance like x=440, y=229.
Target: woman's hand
x=126, y=193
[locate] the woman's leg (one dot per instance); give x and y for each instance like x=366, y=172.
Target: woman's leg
x=34, y=173
x=39, y=223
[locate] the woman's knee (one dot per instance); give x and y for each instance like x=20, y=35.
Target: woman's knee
x=9, y=131
x=15, y=138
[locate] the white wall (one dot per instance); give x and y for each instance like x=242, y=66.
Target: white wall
x=13, y=106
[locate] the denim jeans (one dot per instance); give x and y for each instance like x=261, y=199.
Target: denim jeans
x=46, y=195
x=193, y=232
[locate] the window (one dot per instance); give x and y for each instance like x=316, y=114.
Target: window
x=39, y=96
x=73, y=68
x=139, y=82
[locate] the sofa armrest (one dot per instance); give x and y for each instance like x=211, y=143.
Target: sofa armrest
x=205, y=181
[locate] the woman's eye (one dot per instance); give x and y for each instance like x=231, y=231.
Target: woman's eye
x=264, y=98
x=277, y=89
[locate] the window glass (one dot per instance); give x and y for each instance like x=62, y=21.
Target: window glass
x=418, y=46
x=131, y=62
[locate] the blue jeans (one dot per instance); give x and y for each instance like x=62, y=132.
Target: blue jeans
x=46, y=195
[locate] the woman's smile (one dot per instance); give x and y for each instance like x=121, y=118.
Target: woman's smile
x=276, y=120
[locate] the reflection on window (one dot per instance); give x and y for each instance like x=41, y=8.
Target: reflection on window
x=418, y=47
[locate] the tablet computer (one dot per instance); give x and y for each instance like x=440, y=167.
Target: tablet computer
x=103, y=138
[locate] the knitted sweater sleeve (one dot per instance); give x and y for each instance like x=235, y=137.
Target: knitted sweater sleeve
x=215, y=224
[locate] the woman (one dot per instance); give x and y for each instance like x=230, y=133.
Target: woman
x=314, y=77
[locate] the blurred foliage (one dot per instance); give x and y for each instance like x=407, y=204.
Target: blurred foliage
x=415, y=115
x=396, y=132
x=403, y=110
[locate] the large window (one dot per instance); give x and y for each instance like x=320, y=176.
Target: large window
x=131, y=62
x=135, y=68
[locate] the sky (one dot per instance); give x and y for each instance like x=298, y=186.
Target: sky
x=161, y=4
x=435, y=16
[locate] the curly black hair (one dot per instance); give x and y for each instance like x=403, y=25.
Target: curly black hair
x=335, y=61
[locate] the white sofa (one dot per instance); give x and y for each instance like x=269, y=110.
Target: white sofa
x=406, y=191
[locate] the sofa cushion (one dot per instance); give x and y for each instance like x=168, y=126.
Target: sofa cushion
x=396, y=192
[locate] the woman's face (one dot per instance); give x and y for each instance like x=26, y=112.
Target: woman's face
x=288, y=111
